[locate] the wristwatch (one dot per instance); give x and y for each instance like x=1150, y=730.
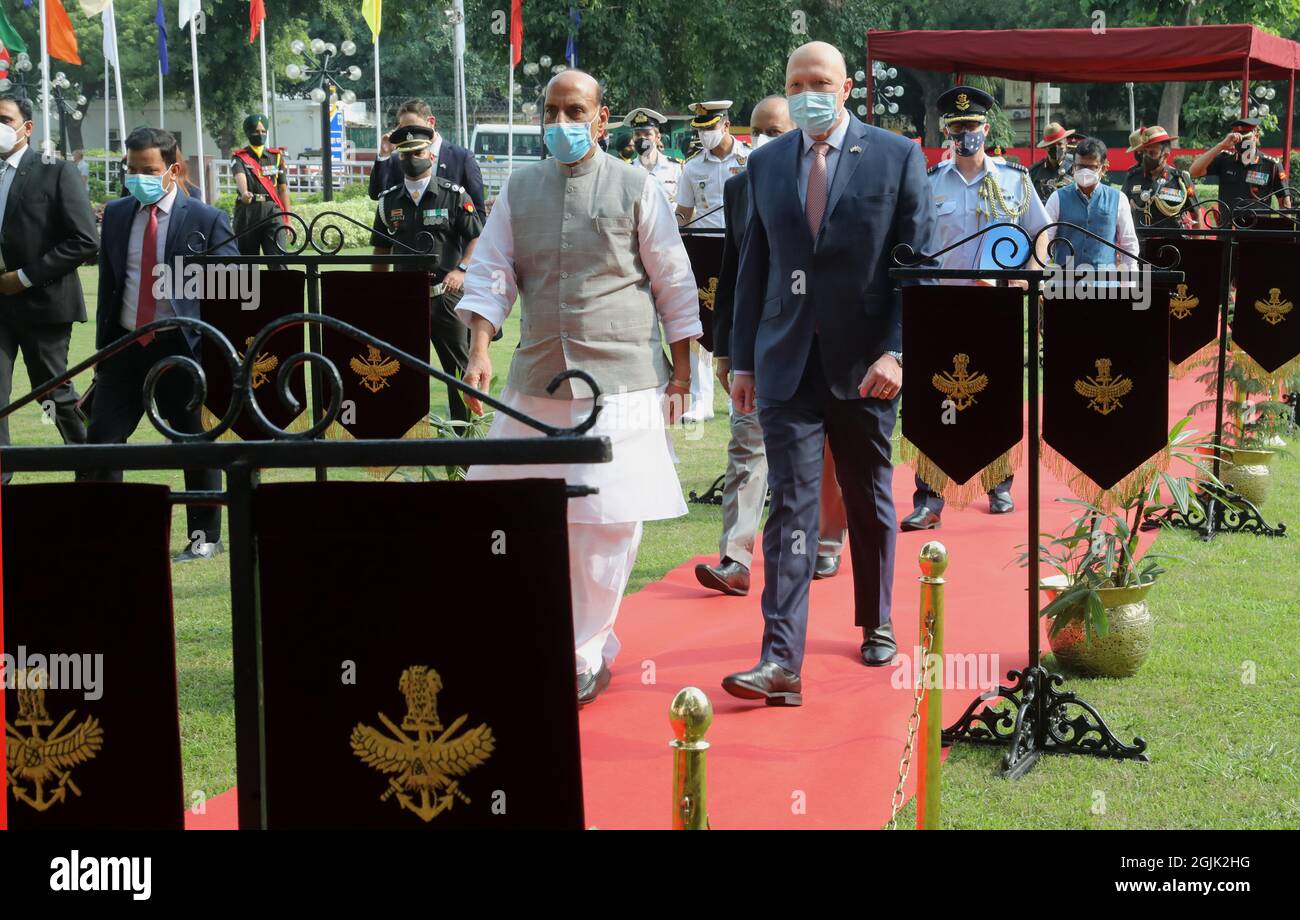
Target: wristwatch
x=897, y=356
x=462, y=267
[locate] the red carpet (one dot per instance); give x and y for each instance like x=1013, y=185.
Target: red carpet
x=833, y=763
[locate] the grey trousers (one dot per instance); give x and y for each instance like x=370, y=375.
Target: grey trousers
x=744, y=490
x=45, y=352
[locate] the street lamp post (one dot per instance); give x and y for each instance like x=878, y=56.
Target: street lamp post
x=533, y=70
x=67, y=107
x=881, y=87
x=322, y=67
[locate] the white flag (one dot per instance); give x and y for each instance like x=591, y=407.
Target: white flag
x=188, y=9
x=110, y=34
x=92, y=7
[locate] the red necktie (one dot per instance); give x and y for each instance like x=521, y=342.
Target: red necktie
x=815, y=206
x=147, y=305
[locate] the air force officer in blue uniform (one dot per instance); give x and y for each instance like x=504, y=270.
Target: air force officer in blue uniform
x=816, y=348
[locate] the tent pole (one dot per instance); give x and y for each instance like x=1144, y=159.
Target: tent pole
x=1286, y=140
x=1033, y=108
x=871, y=97
x=1245, y=88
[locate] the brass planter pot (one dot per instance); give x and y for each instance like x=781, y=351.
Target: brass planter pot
x=1125, y=646
x=1250, y=473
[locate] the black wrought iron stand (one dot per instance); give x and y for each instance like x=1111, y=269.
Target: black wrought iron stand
x=1034, y=716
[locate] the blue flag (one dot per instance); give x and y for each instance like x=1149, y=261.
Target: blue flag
x=162, y=37
x=571, y=49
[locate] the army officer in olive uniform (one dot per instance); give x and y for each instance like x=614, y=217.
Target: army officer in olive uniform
x=1247, y=178
x=262, y=190
x=1160, y=194
x=423, y=203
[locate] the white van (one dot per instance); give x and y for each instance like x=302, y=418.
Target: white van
x=490, y=143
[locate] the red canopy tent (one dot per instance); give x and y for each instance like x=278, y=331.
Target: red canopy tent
x=1153, y=54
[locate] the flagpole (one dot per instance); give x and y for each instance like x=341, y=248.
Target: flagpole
x=162, y=110
x=379, y=111
x=107, y=118
x=117, y=79
x=266, y=105
x=198, y=108
x=462, y=124
x=510, y=118
x=45, y=85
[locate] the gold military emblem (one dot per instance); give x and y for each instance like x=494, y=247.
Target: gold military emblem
x=263, y=364
x=962, y=103
x=1104, y=391
x=425, y=764
x=1181, y=303
x=374, y=370
x=1275, y=309
x=700, y=109
x=39, y=769
x=960, y=385
x=709, y=294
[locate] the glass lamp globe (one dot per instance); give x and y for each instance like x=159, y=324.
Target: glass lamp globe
x=293, y=72
x=4, y=84
x=898, y=91
x=349, y=97
x=331, y=48
x=317, y=46
x=859, y=76
x=318, y=95
x=544, y=60
x=1271, y=94
x=76, y=116
x=893, y=108
x=880, y=108
x=1223, y=92
x=297, y=46
x=354, y=72
x=81, y=100
x=559, y=68
x=862, y=110
x=529, y=108
x=893, y=72
x=349, y=48
x=530, y=69
x=1263, y=108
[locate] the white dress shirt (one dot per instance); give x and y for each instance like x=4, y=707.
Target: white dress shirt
x=7, y=174
x=491, y=285
x=702, y=179
x=134, y=247
x=1125, y=236
x=416, y=187
x=836, y=141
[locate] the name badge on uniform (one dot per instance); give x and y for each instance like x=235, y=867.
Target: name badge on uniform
x=736, y=170
x=1256, y=177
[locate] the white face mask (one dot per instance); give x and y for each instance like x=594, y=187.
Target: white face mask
x=1085, y=178
x=8, y=140
x=760, y=140
x=710, y=139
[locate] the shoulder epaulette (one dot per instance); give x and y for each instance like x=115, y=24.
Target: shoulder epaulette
x=1018, y=166
x=391, y=188
x=677, y=160
x=692, y=156
x=448, y=184
x=934, y=168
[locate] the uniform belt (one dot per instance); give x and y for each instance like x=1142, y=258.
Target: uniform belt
x=437, y=290
x=259, y=197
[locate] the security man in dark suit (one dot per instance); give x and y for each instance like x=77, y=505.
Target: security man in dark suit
x=424, y=203
x=452, y=162
x=47, y=229
x=1247, y=178
x=142, y=238
x=262, y=184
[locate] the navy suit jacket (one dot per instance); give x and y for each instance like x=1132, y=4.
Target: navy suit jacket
x=735, y=207
x=790, y=285
x=455, y=164
x=187, y=215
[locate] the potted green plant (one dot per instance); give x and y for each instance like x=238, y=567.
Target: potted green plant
x=1100, y=622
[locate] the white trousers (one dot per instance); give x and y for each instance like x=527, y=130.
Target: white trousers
x=601, y=557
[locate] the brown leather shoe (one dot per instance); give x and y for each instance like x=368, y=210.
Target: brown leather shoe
x=728, y=576
x=768, y=682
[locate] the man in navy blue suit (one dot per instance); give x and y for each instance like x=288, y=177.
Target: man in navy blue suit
x=142, y=236
x=451, y=162
x=815, y=349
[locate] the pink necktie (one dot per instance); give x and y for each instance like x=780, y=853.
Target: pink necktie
x=815, y=206
x=146, y=305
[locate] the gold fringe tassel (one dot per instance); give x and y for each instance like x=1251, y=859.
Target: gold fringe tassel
x=1124, y=491
x=210, y=421
x=1270, y=379
x=420, y=431
x=959, y=495
x=1195, y=361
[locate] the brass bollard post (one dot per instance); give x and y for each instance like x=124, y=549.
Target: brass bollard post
x=690, y=715
x=934, y=562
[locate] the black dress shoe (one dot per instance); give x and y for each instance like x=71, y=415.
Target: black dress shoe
x=1000, y=503
x=768, y=682
x=196, y=552
x=591, y=685
x=827, y=567
x=728, y=576
x=878, y=645
x=920, y=519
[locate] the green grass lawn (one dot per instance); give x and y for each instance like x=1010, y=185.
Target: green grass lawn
x=1224, y=752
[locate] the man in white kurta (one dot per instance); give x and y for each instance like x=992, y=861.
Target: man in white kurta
x=590, y=247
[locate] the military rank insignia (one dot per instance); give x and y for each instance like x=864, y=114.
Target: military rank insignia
x=468, y=206
x=396, y=216
x=434, y=215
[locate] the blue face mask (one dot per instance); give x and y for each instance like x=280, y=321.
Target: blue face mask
x=567, y=141
x=968, y=143
x=146, y=189
x=815, y=113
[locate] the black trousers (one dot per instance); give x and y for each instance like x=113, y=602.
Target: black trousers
x=859, y=431
x=450, y=339
x=262, y=240
x=44, y=348
x=925, y=497
x=118, y=407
